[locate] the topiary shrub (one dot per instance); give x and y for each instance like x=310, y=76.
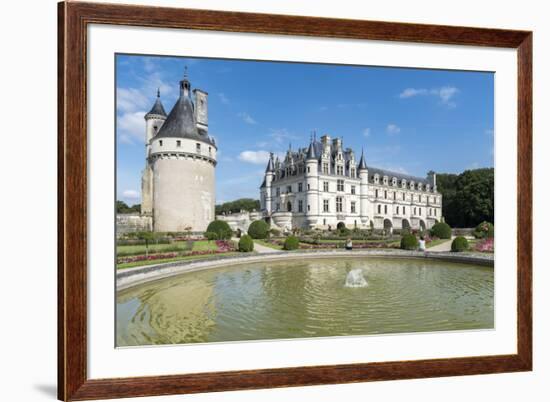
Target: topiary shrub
x=291, y=243
x=459, y=244
x=221, y=228
x=340, y=225
x=246, y=244
x=258, y=229
x=484, y=230
x=211, y=235
x=409, y=242
x=441, y=230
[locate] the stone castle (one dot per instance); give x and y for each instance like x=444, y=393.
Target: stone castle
x=178, y=182
x=317, y=186
x=323, y=184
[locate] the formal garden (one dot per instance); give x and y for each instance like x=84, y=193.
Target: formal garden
x=145, y=248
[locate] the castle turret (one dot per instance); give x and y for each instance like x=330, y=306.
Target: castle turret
x=269, y=174
x=312, y=186
x=363, y=173
x=432, y=179
x=183, y=160
x=154, y=120
x=201, y=109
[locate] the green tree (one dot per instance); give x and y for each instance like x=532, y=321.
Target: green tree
x=148, y=237
x=468, y=198
x=246, y=204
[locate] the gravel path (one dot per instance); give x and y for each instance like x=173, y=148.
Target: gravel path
x=443, y=247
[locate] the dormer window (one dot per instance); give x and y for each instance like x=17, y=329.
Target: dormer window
x=385, y=180
x=394, y=181
x=376, y=178
x=404, y=183
x=178, y=143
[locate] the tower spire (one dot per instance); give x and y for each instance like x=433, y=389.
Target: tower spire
x=158, y=92
x=362, y=163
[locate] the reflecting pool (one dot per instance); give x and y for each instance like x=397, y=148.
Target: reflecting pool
x=307, y=298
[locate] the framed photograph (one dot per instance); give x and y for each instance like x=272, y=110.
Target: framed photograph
x=252, y=201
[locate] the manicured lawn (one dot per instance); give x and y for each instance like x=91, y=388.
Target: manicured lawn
x=128, y=250
x=267, y=244
x=182, y=258
x=204, y=245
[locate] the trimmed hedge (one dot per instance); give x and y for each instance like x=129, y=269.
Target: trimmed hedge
x=246, y=244
x=441, y=230
x=484, y=230
x=409, y=242
x=459, y=244
x=221, y=228
x=258, y=229
x=291, y=243
x=211, y=235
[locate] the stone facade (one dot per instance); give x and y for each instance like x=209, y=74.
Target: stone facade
x=178, y=181
x=323, y=184
x=240, y=220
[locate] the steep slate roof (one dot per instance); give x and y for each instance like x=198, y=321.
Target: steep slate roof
x=157, y=108
x=398, y=176
x=180, y=123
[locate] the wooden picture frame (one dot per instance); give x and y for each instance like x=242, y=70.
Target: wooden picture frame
x=73, y=382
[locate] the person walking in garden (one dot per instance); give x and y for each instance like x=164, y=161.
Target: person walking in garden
x=422, y=244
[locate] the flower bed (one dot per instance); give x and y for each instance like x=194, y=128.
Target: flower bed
x=485, y=245
x=224, y=246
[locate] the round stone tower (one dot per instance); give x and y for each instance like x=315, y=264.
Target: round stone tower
x=183, y=159
x=363, y=189
x=312, y=183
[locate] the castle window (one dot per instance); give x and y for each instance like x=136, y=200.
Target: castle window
x=385, y=194
x=385, y=181
x=198, y=148
x=210, y=151
x=325, y=186
x=403, y=196
x=340, y=185
x=419, y=198
x=178, y=143
x=300, y=206
x=325, y=206
x=308, y=169
x=385, y=209
x=352, y=207
x=340, y=170
x=353, y=189
x=308, y=187
x=419, y=211
x=404, y=211
x=376, y=193
x=160, y=143
x=325, y=168
x=278, y=207
x=339, y=206
x=278, y=191
x=394, y=195
x=414, y=211
x=308, y=207
x=352, y=172
x=300, y=187
x=289, y=189
x=397, y=210
x=289, y=206
x=379, y=208
x=324, y=222
x=376, y=178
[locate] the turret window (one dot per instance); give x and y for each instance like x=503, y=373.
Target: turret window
x=198, y=148
x=178, y=143
x=160, y=143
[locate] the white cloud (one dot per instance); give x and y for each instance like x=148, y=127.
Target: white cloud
x=247, y=118
x=410, y=92
x=280, y=135
x=255, y=157
x=444, y=94
x=131, y=127
x=393, y=129
x=132, y=99
x=131, y=194
x=223, y=98
x=366, y=132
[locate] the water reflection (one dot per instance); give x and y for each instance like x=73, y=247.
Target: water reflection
x=306, y=298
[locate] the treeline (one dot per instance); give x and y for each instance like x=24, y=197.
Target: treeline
x=468, y=197
x=123, y=208
x=247, y=204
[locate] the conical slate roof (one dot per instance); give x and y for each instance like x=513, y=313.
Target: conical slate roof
x=270, y=167
x=157, y=108
x=311, y=151
x=180, y=122
x=362, y=164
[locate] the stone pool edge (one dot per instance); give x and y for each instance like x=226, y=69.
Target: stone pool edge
x=129, y=277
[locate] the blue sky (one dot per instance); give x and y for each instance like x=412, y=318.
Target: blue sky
x=407, y=120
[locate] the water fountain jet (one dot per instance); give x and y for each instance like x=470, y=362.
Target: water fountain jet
x=356, y=279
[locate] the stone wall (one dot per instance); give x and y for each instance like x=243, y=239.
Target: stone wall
x=127, y=223
x=240, y=220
